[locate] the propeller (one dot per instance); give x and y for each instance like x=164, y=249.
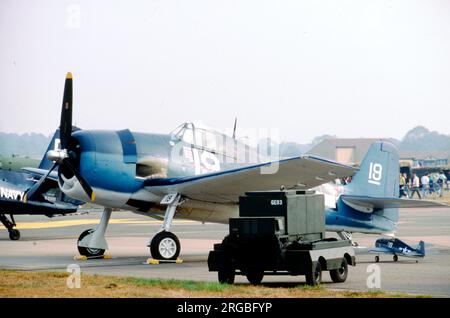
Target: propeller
x=65, y=126
x=65, y=156
x=29, y=195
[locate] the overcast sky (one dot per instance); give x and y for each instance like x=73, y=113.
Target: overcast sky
x=346, y=68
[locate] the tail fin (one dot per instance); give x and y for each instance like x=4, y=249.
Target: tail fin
x=421, y=248
x=54, y=144
x=379, y=173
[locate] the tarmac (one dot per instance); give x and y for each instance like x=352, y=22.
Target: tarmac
x=49, y=244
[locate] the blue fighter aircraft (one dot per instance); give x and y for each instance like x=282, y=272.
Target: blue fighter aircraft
x=30, y=193
x=200, y=173
x=396, y=247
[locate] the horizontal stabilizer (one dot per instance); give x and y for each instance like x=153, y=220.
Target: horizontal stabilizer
x=368, y=204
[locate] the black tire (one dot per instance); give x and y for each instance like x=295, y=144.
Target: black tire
x=86, y=251
x=395, y=258
x=377, y=259
x=340, y=275
x=314, y=275
x=14, y=235
x=165, y=246
x=255, y=276
x=226, y=276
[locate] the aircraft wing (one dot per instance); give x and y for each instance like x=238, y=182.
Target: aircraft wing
x=372, y=203
x=379, y=250
x=9, y=206
x=302, y=173
x=42, y=172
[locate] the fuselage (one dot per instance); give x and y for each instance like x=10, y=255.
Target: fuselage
x=117, y=163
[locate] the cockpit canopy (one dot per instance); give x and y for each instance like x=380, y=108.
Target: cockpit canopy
x=201, y=136
x=208, y=139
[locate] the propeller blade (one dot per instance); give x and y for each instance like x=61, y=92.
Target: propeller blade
x=86, y=187
x=65, y=126
x=33, y=190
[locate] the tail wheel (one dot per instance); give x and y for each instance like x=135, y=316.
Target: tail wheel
x=165, y=246
x=86, y=251
x=314, y=276
x=340, y=275
x=377, y=259
x=395, y=258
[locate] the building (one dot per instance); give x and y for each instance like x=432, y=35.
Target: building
x=425, y=158
x=350, y=151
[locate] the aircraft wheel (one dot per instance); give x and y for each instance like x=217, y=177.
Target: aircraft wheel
x=226, y=276
x=165, y=246
x=89, y=252
x=340, y=275
x=314, y=275
x=14, y=235
x=255, y=276
x=377, y=259
x=395, y=258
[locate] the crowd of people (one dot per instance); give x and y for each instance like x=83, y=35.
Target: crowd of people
x=427, y=185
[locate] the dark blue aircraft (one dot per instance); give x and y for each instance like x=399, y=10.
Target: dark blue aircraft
x=30, y=193
x=396, y=247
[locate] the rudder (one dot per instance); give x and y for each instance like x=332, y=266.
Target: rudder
x=53, y=145
x=379, y=172
x=421, y=248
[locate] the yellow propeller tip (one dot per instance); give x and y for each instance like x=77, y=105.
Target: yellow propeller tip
x=69, y=75
x=93, y=196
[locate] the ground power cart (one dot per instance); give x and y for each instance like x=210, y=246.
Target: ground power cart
x=280, y=233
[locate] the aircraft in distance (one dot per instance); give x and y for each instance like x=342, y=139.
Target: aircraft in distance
x=396, y=247
x=29, y=193
x=200, y=173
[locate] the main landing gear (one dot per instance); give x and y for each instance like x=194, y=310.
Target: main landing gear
x=165, y=245
x=347, y=236
x=92, y=243
x=14, y=234
x=395, y=258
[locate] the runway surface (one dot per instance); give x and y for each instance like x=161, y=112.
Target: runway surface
x=50, y=244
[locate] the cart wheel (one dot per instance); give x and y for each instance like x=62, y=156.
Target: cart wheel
x=226, y=276
x=377, y=259
x=340, y=275
x=314, y=275
x=255, y=277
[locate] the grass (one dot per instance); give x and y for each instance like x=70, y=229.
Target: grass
x=53, y=284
